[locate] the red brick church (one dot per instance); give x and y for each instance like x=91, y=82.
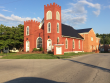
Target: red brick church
x=51, y=32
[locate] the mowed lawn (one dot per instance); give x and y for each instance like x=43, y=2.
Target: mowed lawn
x=41, y=56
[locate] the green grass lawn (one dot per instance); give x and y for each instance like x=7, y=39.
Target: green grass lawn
x=3, y=54
x=42, y=56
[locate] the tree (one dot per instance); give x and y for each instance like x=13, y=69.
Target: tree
x=97, y=35
x=12, y=37
x=3, y=37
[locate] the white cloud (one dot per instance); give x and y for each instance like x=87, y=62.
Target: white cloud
x=106, y=6
x=97, y=6
x=96, y=12
x=6, y=10
x=15, y=20
x=2, y=7
x=77, y=14
x=109, y=6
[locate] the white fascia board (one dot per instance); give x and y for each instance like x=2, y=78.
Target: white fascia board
x=84, y=33
x=42, y=22
x=72, y=37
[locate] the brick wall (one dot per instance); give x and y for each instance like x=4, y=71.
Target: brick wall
x=89, y=45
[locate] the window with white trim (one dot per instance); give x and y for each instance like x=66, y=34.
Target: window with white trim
x=73, y=44
x=57, y=40
x=57, y=15
x=49, y=27
x=48, y=15
x=57, y=27
x=39, y=42
x=66, y=43
x=97, y=47
x=93, y=47
x=91, y=38
x=27, y=30
x=97, y=40
x=79, y=44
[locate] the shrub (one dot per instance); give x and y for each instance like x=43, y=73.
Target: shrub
x=35, y=49
x=41, y=49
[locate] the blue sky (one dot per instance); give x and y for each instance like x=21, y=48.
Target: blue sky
x=77, y=13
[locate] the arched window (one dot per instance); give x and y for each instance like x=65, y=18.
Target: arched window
x=66, y=43
x=39, y=42
x=73, y=44
x=49, y=15
x=57, y=27
x=49, y=27
x=57, y=40
x=27, y=30
x=57, y=15
x=79, y=44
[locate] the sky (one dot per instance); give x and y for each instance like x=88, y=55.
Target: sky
x=79, y=14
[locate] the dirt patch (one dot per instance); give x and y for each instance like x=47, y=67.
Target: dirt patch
x=1, y=56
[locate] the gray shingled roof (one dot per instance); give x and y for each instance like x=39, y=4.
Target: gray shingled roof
x=70, y=31
x=83, y=30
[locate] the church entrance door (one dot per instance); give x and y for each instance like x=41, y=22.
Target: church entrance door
x=27, y=46
x=49, y=45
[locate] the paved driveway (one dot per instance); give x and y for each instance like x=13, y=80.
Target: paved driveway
x=91, y=68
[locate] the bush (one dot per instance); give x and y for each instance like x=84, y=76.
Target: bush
x=35, y=49
x=41, y=49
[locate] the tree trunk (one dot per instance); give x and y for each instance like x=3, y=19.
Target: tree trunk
x=1, y=51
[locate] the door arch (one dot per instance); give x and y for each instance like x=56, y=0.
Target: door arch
x=49, y=45
x=27, y=46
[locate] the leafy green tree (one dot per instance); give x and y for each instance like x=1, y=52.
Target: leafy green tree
x=11, y=36
x=3, y=37
x=17, y=36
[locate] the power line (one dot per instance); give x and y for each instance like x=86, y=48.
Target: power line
x=10, y=2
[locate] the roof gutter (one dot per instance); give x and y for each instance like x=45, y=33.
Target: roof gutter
x=84, y=33
x=72, y=37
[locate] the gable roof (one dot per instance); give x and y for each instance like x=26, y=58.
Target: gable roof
x=70, y=31
x=83, y=30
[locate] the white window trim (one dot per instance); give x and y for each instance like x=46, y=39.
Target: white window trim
x=47, y=27
x=79, y=44
x=57, y=15
x=65, y=43
x=49, y=15
x=26, y=45
x=97, y=40
x=91, y=38
x=36, y=42
x=26, y=30
x=74, y=44
x=97, y=47
x=51, y=44
x=58, y=27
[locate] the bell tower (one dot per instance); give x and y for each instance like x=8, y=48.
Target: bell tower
x=52, y=26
